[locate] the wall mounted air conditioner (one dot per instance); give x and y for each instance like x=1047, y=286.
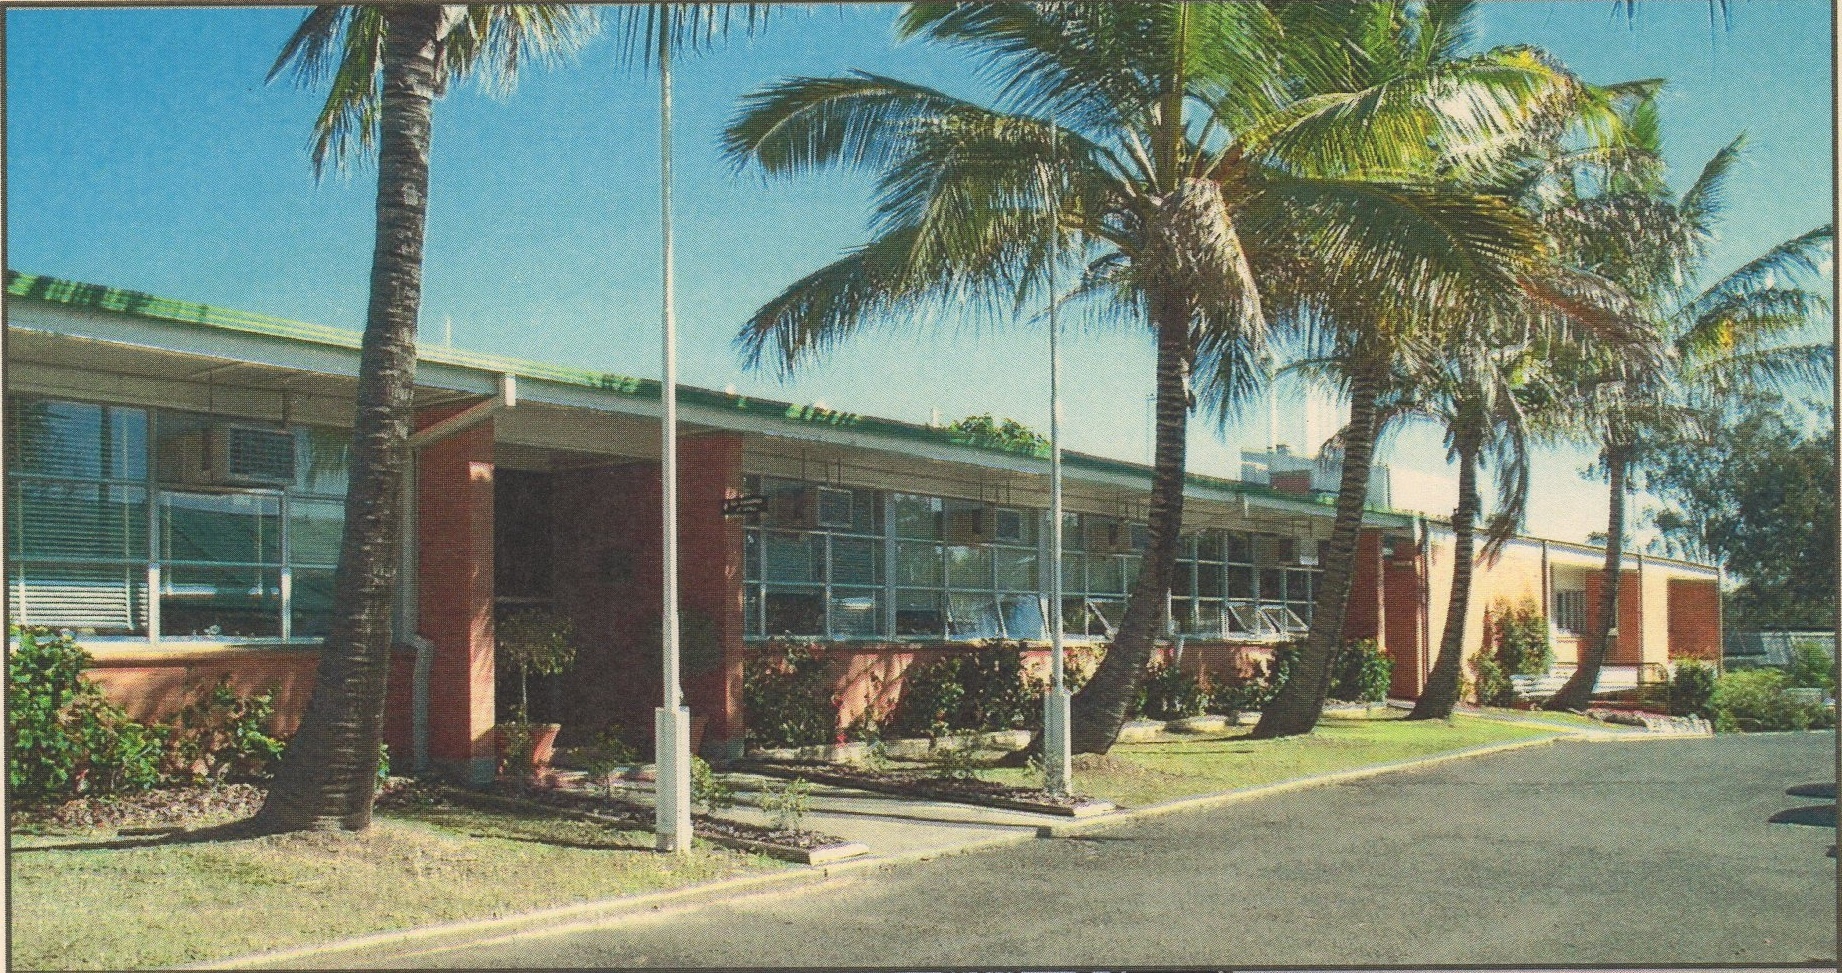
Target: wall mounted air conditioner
x=228, y=455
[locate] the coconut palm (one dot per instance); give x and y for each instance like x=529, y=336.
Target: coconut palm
x=1208, y=154
x=1748, y=327
x=1374, y=343
x=385, y=66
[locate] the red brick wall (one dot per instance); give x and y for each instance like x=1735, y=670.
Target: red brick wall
x=155, y=685
x=1404, y=589
x=1630, y=646
x=454, y=480
x=1362, y=619
x=608, y=576
x=1694, y=620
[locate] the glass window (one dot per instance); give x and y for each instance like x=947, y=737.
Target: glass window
x=1023, y=616
x=1272, y=585
x=795, y=611
x=751, y=555
x=109, y=599
x=53, y=519
x=972, y=616
x=856, y=561
x=798, y=558
x=917, y=517
x=314, y=529
x=323, y=464
x=969, y=567
x=917, y=565
x=919, y=613
x=1208, y=580
x=1016, y=569
x=751, y=610
x=1240, y=582
x=234, y=528
x=1209, y=546
x=856, y=613
x=220, y=600
x=311, y=597
x=1238, y=549
x=78, y=441
x=1106, y=575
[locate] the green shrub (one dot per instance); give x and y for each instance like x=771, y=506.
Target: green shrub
x=1169, y=693
x=708, y=789
x=66, y=738
x=932, y=694
x=787, y=693
x=223, y=735
x=1755, y=701
x=1811, y=667
x=607, y=757
x=955, y=759
x=788, y=803
x=1361, y=673
x=1233, y=693
x=1000, y=694
x=1490, y=681
x=1690, y=688
x=1520, y=636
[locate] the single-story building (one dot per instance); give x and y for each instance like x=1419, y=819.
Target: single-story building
x=174, y=475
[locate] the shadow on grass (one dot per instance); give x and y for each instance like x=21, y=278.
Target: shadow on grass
x=243, y=830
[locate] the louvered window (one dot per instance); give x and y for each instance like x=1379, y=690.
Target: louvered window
x=77, y=517
x=88, y=530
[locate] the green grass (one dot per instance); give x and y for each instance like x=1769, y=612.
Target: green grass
x=1137, y=774
x=78, y=904
x=1563, y=719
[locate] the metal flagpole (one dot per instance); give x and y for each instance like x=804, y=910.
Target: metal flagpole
x=1056, y=745
x=671, y=721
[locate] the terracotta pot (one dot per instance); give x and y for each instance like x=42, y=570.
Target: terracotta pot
x=543, y=745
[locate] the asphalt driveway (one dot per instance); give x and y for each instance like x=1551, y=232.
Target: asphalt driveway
x=1650, y=853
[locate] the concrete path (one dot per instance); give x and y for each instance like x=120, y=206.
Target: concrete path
x=1653, y=853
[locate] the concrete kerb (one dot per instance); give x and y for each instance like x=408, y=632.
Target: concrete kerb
x=581, y=916
x=1205, y=801
x=578, y=916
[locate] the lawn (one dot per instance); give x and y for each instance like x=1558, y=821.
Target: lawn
x=79, y=905
x=1137, y=774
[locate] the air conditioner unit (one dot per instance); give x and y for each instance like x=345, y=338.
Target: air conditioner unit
x=1308, y=552
x=812, y=507
x=971, y=525
x=235, y=455
x=1007, y=526
x=1110, y=538
x=833, y=508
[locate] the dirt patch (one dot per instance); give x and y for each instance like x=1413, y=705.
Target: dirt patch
x=166, y=807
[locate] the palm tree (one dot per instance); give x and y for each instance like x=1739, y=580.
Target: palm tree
x=1374, y=343
x=1208, y=153
x=386, y=66
x=1749, y=326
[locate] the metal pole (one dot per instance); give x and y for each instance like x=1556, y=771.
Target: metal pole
x=671, y=721
x=1057, y=758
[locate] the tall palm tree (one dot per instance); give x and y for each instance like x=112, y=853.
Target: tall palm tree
x=1375, y=342
x=1750, y=326
x=1208, y=153
x=386, y=66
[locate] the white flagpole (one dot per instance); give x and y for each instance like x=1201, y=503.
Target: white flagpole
x=1057, y=758
x=671, y=722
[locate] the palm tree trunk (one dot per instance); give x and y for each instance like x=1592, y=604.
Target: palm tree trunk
x=1099, y=709
x=327, y=777
x=1448, y=670
x=1300, y=702
x=1577, y=692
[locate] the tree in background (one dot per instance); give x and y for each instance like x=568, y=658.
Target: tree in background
x=1758, y=494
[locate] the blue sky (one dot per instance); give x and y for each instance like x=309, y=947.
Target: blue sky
x=145, y=150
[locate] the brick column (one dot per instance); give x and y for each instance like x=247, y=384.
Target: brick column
x=454, y=520
x=710, y=585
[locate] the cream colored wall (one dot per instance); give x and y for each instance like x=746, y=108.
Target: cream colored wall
x=1514, y=575
x=1655, y=587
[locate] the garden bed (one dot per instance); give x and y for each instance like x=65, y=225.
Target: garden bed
x=922, y=783
x=799, y=845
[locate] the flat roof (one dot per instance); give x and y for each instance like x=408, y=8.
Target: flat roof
x=720, y=409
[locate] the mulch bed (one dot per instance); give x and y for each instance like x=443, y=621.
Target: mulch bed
x=926, y=784
x=165, y=807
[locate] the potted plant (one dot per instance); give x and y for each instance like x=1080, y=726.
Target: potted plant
x=532, y=641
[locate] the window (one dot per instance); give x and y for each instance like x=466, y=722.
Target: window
x=154, y=523
x=1570, y=611
x=77, y=532
x=815, y=567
